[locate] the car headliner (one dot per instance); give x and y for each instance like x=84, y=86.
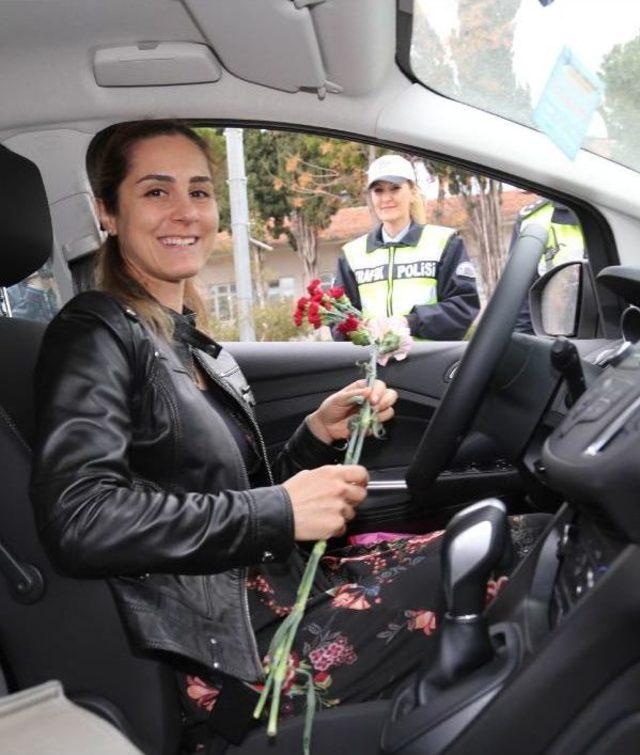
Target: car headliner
x=51, y=103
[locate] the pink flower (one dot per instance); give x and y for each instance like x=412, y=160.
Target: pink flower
x=336, y=653
x=392, y=336
x=494, y=587
x=203, y=694
x=351, y=597
x=424, y=620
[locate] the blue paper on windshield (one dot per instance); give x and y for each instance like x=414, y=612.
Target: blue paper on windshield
x=568, y=102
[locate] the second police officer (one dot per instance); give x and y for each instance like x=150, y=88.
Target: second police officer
x=565, y=242
x=406, y=267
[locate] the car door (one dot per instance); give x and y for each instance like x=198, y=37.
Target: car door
x=291, y=372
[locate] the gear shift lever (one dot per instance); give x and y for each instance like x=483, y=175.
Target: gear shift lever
x=474, y=544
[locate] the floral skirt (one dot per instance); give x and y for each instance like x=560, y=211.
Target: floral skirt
x=370, y=620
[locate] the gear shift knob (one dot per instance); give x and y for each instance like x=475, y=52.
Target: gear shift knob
x=473, y=546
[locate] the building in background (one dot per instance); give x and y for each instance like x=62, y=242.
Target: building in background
x=281, y=269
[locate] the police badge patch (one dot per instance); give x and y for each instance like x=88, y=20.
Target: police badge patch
x=466, y=270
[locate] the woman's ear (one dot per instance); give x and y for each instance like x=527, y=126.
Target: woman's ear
x=107, y=221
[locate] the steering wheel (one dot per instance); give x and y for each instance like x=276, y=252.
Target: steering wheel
x=463, y=397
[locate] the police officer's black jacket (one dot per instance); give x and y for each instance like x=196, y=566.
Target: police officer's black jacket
x=137, y=478
x=458, y=302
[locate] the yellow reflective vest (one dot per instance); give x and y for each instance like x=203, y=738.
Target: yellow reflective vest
x=393, y=278
x=565, y=242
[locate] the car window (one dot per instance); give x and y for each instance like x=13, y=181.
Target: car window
x=503, y=57
x=35, y=298
x=306, y=200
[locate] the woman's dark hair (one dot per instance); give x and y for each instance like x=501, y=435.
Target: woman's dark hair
x=108, y=163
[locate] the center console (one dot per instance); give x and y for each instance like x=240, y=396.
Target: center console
x=563, y=674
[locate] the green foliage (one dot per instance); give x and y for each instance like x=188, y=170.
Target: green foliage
x=303, y=176
x=474, y=65
x=620, y=75
x=273, y=322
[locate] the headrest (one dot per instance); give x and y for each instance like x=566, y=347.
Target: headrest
x=25, y=224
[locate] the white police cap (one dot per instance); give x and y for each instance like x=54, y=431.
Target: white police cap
x=392, y=168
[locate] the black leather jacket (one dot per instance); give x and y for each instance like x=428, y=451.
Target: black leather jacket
x=137, y=478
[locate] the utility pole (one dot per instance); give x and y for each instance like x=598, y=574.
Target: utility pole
x=240, y=231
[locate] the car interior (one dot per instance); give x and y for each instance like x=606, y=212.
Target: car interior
x=506, y=423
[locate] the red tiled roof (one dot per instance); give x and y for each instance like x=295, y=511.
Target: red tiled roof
x=350, y=222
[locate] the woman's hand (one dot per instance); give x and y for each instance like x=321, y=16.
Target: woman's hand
x=330, y=421
x=324, y=499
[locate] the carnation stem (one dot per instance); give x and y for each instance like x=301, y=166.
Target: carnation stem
x=282, y=642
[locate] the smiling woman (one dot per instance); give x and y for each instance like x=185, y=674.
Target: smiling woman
x=150, y=467
x=155, y=200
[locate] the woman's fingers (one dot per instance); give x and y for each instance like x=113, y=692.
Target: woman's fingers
x=378, y=394
x=354, y=474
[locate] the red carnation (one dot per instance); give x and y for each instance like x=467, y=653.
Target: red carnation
x=336, y=292
x=318, y=296
x=350, y=324
x=314, y=315
x=297, y=317
x=302, y=303
x=316, y=283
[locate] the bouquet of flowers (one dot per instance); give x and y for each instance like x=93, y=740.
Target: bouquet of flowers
x=386, y=338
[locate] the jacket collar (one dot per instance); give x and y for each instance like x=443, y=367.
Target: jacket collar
x=186, y=333
x=411, y=237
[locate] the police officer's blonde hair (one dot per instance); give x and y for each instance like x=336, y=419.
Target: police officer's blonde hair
x=417, y=209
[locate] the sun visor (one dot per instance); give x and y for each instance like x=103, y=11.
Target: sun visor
x=315, y=45
x=155, y=64
x=278, y=49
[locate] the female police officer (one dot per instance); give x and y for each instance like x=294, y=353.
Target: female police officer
x=405, y=267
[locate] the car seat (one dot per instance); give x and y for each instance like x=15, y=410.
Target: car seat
x=51, y=626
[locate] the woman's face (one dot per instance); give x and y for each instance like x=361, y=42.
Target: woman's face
x=167, y=216
x=392, y=202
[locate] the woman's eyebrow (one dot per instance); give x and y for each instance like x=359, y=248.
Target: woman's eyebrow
x=171, y=179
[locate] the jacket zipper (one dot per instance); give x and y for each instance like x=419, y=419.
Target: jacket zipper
x=242, y=570
x=392, y=252
x=242, y=404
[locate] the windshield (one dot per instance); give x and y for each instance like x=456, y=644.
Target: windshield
x=501, y=56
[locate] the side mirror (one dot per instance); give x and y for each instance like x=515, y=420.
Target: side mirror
x=563, y=302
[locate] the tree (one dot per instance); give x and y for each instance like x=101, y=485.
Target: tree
x=482, y=198
x=619, y=73
x=474, y=65
x=483, y=54
x=297, y=182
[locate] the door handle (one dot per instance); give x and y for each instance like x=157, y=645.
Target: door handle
x=24, y=581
